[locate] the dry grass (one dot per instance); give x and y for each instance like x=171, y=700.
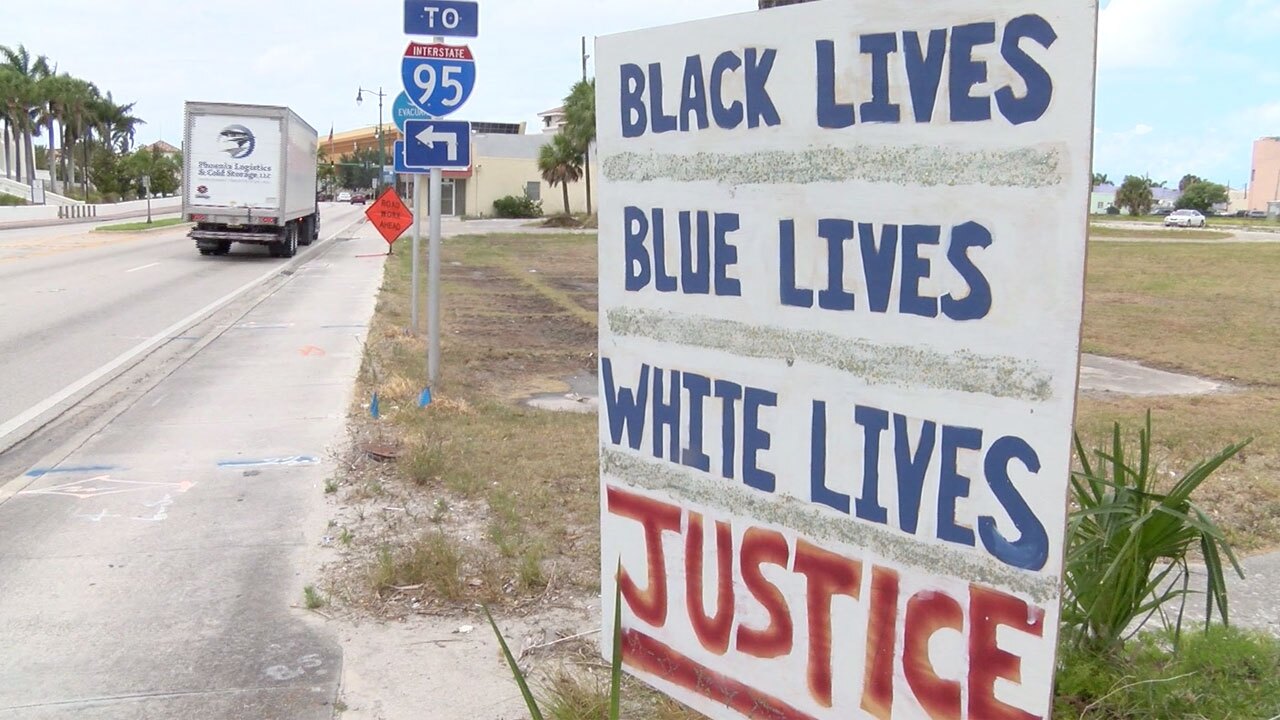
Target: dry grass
x=1162, y=233
x=1210, y=310
x=489, y=500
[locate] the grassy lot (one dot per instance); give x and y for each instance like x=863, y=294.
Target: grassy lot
x=502, y=498
x=495, y=502
x=1209, y=310
x=1097, y=231
x=139, y=226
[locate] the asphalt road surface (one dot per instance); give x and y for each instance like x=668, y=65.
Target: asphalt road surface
x=166, y=427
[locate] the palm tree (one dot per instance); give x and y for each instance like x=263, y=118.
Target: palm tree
x=77, y=123
x=560, y=162
x=32, y=70
x=580, y=124
x=55, y=92
x=9, y=91
x=124, y=125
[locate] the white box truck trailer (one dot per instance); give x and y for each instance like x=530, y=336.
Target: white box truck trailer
x=249, y=176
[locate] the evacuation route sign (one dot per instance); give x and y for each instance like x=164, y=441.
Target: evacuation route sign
x=841, y=274
x=390, y=216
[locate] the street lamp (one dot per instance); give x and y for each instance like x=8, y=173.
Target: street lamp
x=382, y=152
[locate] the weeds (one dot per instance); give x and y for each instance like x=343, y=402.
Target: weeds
x=330, y=486
x=312, y=598
x=433, y=561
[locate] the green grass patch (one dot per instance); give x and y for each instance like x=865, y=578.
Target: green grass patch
x=7, y=200
x=139, y=226
x=1226, y=673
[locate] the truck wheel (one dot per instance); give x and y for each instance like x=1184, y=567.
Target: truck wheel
x=223, y=248
x=291, y=243
x=206, y=251
x=307, y=231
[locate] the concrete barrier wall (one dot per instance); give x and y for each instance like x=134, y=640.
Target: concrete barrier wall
x=25, y=214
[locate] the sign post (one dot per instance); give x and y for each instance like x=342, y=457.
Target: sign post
x=438, y=79
x=146, y=188
x=841, y=280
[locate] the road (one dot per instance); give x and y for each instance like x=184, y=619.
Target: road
x=157, y=524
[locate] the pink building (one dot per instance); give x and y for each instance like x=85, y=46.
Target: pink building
x=1264, y=184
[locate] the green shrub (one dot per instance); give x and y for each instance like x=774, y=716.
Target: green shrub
x=1127, y=546
x=517, y=206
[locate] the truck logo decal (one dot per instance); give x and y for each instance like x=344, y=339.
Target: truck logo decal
x=238, y=141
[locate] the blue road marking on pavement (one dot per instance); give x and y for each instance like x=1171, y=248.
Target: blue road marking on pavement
x=266, y=462
x=69, y=469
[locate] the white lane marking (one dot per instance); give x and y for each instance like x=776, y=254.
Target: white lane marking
x=144, y=267
x=13, y=424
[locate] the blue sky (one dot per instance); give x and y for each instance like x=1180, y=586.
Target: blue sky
x=1183, y=85
x=1186, y=86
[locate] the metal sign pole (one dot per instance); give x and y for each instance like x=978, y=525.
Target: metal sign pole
x=433, y=276
x=417, y=238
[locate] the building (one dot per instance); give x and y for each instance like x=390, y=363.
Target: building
x=164, y=148
x=1101, y=198
x=552, y=120
x=1264, y=182
x=504, y=162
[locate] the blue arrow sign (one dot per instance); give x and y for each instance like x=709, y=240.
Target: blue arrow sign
x=444, y=144
x=438, y=78
x=397, y=156
x=404, y=109
x=447, y=18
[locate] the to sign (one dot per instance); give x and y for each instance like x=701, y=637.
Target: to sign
x=841, y=273
x=390, y=216
x=438, y=78
x=404, y=109
x=447, y=18
x=437, y=144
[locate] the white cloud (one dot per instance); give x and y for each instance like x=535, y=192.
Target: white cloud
x=1141, y=129
x=1145, y=34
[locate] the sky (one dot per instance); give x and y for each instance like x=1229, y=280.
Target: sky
x=1184, y=86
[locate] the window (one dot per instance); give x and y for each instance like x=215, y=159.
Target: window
x=533, y=191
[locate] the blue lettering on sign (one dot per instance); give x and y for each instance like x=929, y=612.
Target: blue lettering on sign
x=643, y=106
x=853, y=83
x=675, y=411
x=895, y=254
x=645, y=252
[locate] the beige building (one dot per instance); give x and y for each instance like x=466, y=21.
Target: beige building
x=504, y=162
x=1264, y=183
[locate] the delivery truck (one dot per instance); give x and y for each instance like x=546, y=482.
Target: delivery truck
x=249, y=176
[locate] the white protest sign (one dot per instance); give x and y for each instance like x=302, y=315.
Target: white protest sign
x=841, y=265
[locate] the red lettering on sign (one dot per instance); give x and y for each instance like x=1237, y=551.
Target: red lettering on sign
x=760, y=547
x=927, y=613
x=713, y=631
x=652, y=656
x=828, y=574
x=650, y=604
x=988, y=610
x=882, y=639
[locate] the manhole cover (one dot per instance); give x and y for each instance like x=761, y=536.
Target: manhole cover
x=382, y=452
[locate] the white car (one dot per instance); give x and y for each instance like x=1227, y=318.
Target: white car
x=1184, y=218
x=344, y=196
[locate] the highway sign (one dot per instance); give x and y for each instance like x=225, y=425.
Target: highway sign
x=404, y=109
x=397, y=154
x=438, y=78
x=390, y=216
x=448, y=18
x=437, y=144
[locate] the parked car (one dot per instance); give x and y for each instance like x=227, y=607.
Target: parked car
x=1184, y=218
x=344, y=196
x=358, y=198
x=1161, y=212
x=1257, y=213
